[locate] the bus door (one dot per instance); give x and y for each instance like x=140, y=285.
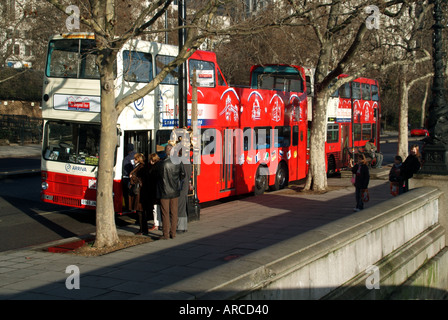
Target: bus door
x=141, y=140
x=345, y=143
x=228, y=165
x=292, y=154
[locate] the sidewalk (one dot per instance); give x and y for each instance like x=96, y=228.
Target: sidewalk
x=224, y=233
x=18, y=151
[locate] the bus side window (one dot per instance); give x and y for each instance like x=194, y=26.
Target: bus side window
x=173, y=76
x=205, y=73
x=356, y=90
x=208, y=141
x=283, y=135
x=286, y=136
x=221, y=81
x=366, y=131
x=309, y=89
x=357, y=131
x=295, y=135
x=365, y=88
x=344, y=91
x=375, y=95
x=332, y=133
x=247, y=138
x=137, y=66
x=262, y=138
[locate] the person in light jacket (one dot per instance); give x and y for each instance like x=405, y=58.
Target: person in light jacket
x=169, y=177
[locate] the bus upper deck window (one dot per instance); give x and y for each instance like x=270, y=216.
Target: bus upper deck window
x=375, y=94
x=356, y=90
x=365, y=88
x=137, y=66
x=173, y=76
x=205, y=73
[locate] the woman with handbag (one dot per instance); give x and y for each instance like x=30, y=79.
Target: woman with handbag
x=136, y=182
x=362, y=178
x=396, y=181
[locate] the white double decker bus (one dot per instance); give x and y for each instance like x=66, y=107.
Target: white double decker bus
x=71, y=109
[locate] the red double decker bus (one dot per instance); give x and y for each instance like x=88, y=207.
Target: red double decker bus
x=353, y=118
x=251, y=138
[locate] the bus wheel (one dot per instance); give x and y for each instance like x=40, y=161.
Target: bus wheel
x=281, y=177
x=261, y=180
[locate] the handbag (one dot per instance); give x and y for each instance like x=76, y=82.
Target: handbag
x=365, y=195
x=394, y=188
x=135, y=188
x=353, y=179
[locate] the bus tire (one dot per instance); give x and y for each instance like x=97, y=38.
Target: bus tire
x=261, y=180
x=281, y=177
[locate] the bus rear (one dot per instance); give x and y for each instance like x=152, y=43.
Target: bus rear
x=353, y=118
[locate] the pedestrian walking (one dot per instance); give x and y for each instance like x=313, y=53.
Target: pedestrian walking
x=362, y=178
x=169, y=176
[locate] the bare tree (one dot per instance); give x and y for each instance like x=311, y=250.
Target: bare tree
x=112, y=31
x=348, y=44
x=339, y=29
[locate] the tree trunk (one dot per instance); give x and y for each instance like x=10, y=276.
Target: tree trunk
x=106, y=231
x=403, y=114
x=423, y=113
x=317, y=176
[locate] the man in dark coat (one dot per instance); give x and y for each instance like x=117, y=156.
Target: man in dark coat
x=128, y=166
x=410, y=166
x=169, y=177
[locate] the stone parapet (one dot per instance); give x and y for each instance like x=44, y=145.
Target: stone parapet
x=313, y=264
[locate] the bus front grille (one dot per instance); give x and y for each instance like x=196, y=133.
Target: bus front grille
x=67, y=201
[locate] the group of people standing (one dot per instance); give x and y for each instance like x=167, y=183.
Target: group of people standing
x=160, y=182
x=399, y=175
x=401, y=172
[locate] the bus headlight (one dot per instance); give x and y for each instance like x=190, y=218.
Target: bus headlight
x=44, y=185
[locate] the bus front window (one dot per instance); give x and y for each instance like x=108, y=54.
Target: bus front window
x=72, y=58
x=72, y=142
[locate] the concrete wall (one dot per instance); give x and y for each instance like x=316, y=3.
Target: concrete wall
x=25, y=108
x=400, y=234
x=424, y=180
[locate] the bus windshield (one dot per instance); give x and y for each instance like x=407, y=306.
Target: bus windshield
x=282, y=78
x=71, y=142
x=72, y=58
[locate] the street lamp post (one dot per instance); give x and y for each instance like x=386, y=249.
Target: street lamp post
x=435, y=150
x=182, y=68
